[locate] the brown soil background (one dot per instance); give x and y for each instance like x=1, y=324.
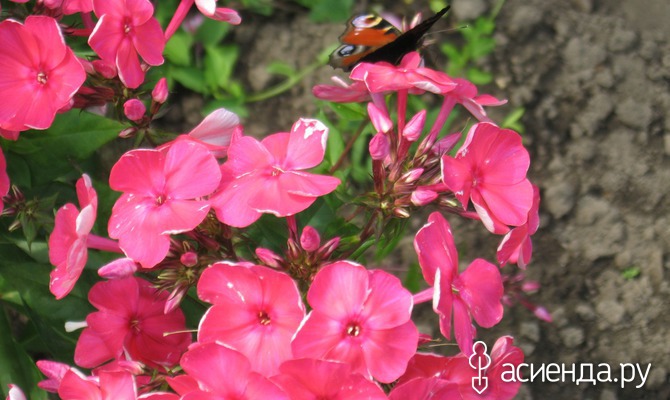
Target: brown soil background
x=594, y=77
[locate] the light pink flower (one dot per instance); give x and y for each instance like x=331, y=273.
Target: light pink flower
x=68, y=249
x=342, y=92
x=15, y=393
x=490, y=169
x=268, y=177
x=207, y=8
x=125, y=29
x=4, y=180
x=307, y=379
x=130, y=322
x=476, y=292
x=409, y=74
x=465, y=94
x=256, y=311
x=38, y=72
x=217, y=130
x=359, y=317
x=161, y=191
x=223, y=373
x=516, y=246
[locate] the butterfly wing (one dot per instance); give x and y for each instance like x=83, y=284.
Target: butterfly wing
x=365, y=33
x=393, y=52
x=370, y=38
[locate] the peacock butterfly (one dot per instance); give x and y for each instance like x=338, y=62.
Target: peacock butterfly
x=370, y=38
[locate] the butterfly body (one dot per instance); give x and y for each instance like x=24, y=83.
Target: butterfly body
x=370, y=38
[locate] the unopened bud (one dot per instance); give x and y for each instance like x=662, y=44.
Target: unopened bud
x=189, y=259
x=542, y=314
x=379, y=147
x=134, y=109
x=412, y=176
x=107, y=70
x=414, y=127
x=160, y=92
x=421, y=197
x=530, y=286
x=269, y=257
x=310, y=239
x=118, y=269
x=294, y=251
x=401, y=212
x=380, y=119
x=128, y=132
x=329, y=247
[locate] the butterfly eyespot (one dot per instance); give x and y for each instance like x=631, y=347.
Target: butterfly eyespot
x=346, y=50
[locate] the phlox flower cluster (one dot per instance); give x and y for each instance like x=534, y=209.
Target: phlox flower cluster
x=194, y=228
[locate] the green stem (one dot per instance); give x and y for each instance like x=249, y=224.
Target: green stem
x=285, y=85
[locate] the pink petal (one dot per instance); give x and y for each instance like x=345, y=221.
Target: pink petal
x=434, y=244
x=191, y=170
x=443, y=300
x=388, y=351
x=307, y=144
x=139, y=171
x=128, y=64
x=481, y=289
x=389, y=295
x=217, y=128
x=227, y=15
x=117, y=385
x=15, y=393
x=77, y=387
x=317, y=335
x=149, y=41
x=488, y=218
x=140, y=11
x=107, y=35
x=91, y=350
x=247, y=154
x=509, y=203
x=457, y=175
x=231, y=202
x=464, y=331
x=147, y=248
x=218, y=369
x=292, y=192
x=339, y=289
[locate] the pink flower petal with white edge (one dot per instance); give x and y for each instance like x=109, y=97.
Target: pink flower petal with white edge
x=481, y=288
x=464, y=331
x=509, y=203
x=191, y=170
x=488, y=218
x=146, y=248
x=52, y=52
x=457, y=175
x=500, y=154
x=379, y=118
x=118, y=269
x=140, y=11
x=443, y=301
x=339, y=289
x=207, y=7
x=307, y=144
x=246, y=155
x=76, y=386
x=54, y=371
x=388, y=351
x=434, y=244
x=106, y=36
x=388, y=295
x=217, y=129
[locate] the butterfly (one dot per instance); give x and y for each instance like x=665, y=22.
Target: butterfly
x=370, y=38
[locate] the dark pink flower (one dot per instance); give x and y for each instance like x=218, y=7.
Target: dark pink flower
x=465, y=94
x=38, y=72
x=134, y=109
x=161, y=197
x=130, y=322
x=409, y=74
x=159, y=94
x=516, y=246
x=125, y=29
x=223, y=373
x=425, y=388
x=490, y=169
x=474, y=293
x=68, y=250
x=207, y=8
x=359, y=317
x=105, y=386
x=268, y=177
x=256, y=311
x=68, y=7
x=307, y=379
x=54, y=372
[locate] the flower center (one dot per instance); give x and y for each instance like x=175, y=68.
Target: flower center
x=276, y=171
x=160, y=199
x=127, y=27
x=353, y=330
x=263, y=318
x=42, y=78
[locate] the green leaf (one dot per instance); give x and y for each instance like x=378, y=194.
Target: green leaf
x=413, y=279
x=513, y=120
x=73, y=137
x=211, y=32
x=219, y=64
x=190, y=77
x=281, y=68
x=178, y=49
x=479, y=77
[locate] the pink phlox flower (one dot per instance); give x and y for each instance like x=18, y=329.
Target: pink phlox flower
x=38, y=72
x=130, y=322
x=68, y=249
x=217, y=130
x=162, y=190
x=4, y=180
x=307, y=379
x=425, y=388
x=409, y=74
x=516, y=246
x=209, y=9
x=105, y=386
x=490, y=170
x=465, y=93
x=359, y=317
x=68, y=7
x=474, y=293
x=342, y=92
x=125, y=29
x=15, y=393
x=268, y=176
x=224, y=373
x=256, y=311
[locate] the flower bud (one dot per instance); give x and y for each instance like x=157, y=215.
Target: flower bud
x=414, y=127
x=412, y=175
x=310, y=239
x=128, y=132
x=542, y=314
x=379, y=147
x=118, y=269
x=189, y=259
x=160, y=92
x=329, y=247
x=134, y=109
x=421, y=197
x=105, y=69
x=269, y=257
x=530, y=286
x=380, y=119
x=401, y=212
